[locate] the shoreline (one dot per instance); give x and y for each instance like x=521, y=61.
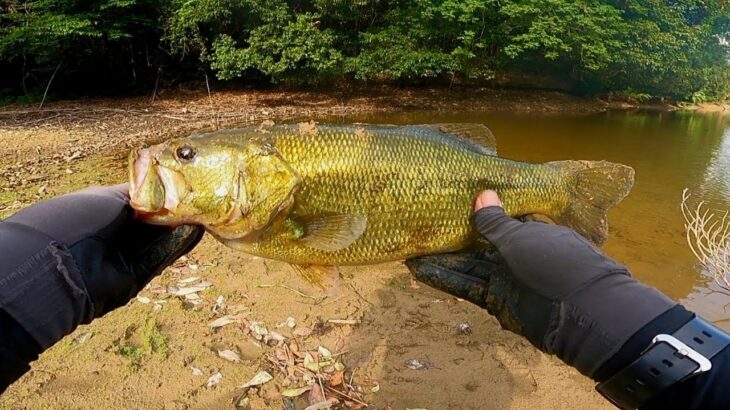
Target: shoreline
x=520, y=99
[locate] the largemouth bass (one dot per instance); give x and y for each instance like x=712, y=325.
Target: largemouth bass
x=325, y=195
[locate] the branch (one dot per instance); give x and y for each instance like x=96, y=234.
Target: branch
x=48, y=86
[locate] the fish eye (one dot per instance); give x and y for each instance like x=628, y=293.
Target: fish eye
x=185, y=153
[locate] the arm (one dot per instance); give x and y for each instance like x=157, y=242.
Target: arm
x=569, y=299
x=69, y=260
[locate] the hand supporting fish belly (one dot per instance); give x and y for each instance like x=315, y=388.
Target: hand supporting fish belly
x=327, y=195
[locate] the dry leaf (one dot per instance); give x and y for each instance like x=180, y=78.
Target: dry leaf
x=336, y=379
x=83, y=337
x=260, y=378
x=314, y=365
x=188, y=281
x=309, y=362
x=316, y=395
x=324, y=352
x=302, y=331
x=190, y=290
x=193, y=297
x=296, y=392
x=219, y=303
x=323, y=404
x=340, y=344
x=196, y=371
x=258, y=331
x=225, y=320
x=229, y=355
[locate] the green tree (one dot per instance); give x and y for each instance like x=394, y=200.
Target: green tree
x=640, y=47
x=37, y=36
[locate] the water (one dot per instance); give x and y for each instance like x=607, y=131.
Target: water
x=670, y=151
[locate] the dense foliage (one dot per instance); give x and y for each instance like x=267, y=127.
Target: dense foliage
x=675, y=48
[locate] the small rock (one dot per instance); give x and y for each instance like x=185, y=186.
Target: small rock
x=214, y=380
x=417, y=364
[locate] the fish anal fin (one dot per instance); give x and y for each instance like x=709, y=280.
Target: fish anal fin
x=477, y=136
x=324, y=276
x=332, y=232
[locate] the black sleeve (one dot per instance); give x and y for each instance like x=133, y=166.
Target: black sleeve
x=42, y=297
x=17, y=349
x=710, y=390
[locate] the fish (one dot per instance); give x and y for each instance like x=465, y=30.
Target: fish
x=319, y=196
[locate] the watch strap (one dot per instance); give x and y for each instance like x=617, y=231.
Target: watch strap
x=668, y=360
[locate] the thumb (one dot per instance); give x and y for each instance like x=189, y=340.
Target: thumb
x=486, y=199
x=491, y=221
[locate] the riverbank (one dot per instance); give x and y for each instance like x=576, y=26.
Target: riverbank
x=160, y=351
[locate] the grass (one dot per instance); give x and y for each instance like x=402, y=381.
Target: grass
x=140, y=344
x=153, y=341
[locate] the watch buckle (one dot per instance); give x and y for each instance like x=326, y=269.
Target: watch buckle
x=684, y=351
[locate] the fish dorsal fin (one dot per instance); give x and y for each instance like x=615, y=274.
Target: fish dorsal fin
x=475, y=136
x=331, y=232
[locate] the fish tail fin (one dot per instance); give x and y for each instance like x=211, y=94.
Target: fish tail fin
x=594, y=187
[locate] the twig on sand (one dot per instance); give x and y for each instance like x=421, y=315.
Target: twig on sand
x=317, y=298
x=341, y=394
x=708, y=237
x=354, y=289
x=343, y=321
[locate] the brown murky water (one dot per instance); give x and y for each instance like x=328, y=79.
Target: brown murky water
x=670, y=151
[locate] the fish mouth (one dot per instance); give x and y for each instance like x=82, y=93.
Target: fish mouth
x=154, y=190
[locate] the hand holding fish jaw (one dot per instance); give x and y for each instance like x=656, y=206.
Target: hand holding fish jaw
x=548, y=284
x=115, y=254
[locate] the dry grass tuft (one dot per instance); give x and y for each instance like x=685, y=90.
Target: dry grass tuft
x=708, y=237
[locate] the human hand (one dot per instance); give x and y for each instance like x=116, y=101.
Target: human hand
x=116, y=254
x=548, y=284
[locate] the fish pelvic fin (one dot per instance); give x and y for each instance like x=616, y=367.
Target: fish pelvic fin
x=594, y=187
x=324, y=276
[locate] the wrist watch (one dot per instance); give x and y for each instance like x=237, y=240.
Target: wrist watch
x=669, y=359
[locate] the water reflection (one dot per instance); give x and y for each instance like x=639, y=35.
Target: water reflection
x=670, y=151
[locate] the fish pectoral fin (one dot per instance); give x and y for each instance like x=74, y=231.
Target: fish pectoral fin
x=477, y=137
x=333, y=232
x=319, y=275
